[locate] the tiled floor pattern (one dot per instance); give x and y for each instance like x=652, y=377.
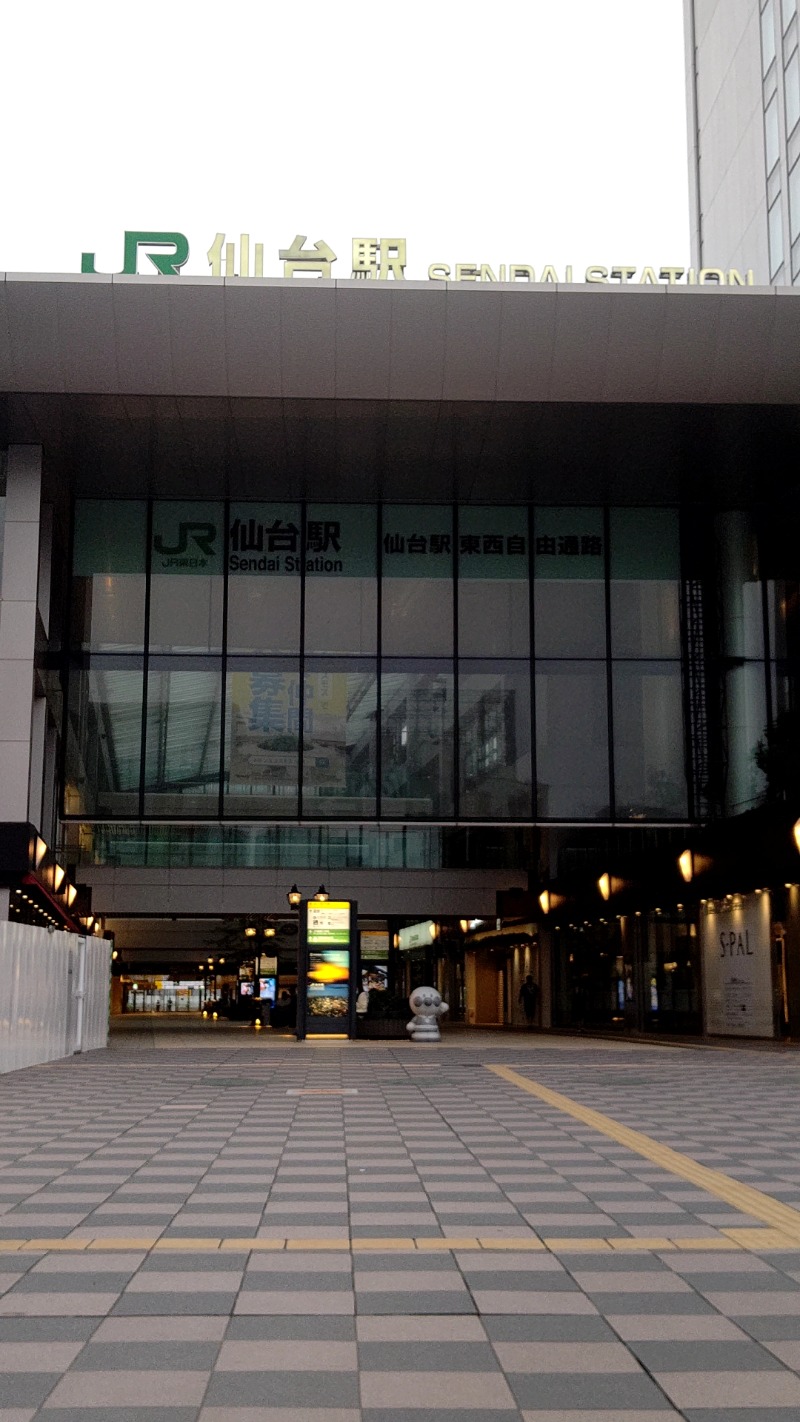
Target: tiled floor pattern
x=313, y=1337
x=200, y=1141
x=737, y=1194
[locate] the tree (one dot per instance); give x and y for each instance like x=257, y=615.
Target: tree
x=777, y=754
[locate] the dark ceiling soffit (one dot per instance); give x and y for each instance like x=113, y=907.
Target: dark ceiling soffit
x=409, y=451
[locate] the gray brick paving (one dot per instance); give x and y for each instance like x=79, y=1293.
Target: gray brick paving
x=183, y=1138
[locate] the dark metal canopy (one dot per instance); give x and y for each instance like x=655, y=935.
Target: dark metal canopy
x=350, y=390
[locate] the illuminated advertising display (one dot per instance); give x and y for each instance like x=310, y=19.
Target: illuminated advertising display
x=328, y=982
x=327, y=968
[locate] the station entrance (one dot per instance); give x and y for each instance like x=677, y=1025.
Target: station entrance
x=249, y=971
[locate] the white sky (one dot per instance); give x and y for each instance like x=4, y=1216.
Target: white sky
x=514, y=131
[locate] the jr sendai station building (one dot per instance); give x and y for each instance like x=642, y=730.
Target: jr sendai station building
x=474, y=600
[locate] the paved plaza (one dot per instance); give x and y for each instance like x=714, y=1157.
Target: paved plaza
x=215, y=1226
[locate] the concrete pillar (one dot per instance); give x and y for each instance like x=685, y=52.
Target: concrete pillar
x=18, y=595
x=45, y=563
x=36, y=782
x=792, y=950
x=545, y=977
x=5, y=905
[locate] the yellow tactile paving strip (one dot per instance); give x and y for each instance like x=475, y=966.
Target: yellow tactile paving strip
x=781, y=1229
x=728, y=1239
x=783, y=1221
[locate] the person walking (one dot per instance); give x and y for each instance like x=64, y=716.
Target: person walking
x=529, y=999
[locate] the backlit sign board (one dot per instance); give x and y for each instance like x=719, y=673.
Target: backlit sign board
x=328, y=923
x=417, y=935
x=327, y=967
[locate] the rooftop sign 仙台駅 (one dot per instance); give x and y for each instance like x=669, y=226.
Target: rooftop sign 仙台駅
x=384, y=259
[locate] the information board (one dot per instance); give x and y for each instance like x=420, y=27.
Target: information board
x=328, y=923
x=327, y=968
x=737, y=966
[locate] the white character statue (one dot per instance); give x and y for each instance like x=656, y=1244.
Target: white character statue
x=427, y=1006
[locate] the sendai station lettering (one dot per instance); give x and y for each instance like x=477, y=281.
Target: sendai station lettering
x=275, y=547
x=385, y=259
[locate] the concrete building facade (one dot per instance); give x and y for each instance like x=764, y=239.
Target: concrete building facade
x=743, y=93
x=473, y=603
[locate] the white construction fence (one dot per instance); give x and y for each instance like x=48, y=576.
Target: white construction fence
x=54, y=993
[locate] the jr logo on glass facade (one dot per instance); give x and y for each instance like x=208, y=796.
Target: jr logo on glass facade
x=190, y=536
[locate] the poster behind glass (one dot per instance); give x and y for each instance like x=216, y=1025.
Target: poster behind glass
x=374, y=977
x=329, y=983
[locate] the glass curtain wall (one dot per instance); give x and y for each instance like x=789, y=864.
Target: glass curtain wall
x=778, y=545
x=638, y=972
x=103, y=746
x=649, y=745
x=742, y=651
x=571, y=687
x=410, y=662
x=495, y=755
x=417, y=672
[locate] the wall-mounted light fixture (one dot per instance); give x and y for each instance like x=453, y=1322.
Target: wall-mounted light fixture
x=796, y=833
x=609, y=884
x=58, y=876
x=549, y=902
x=294, y=897
x=691, y=864
x=322, y=895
